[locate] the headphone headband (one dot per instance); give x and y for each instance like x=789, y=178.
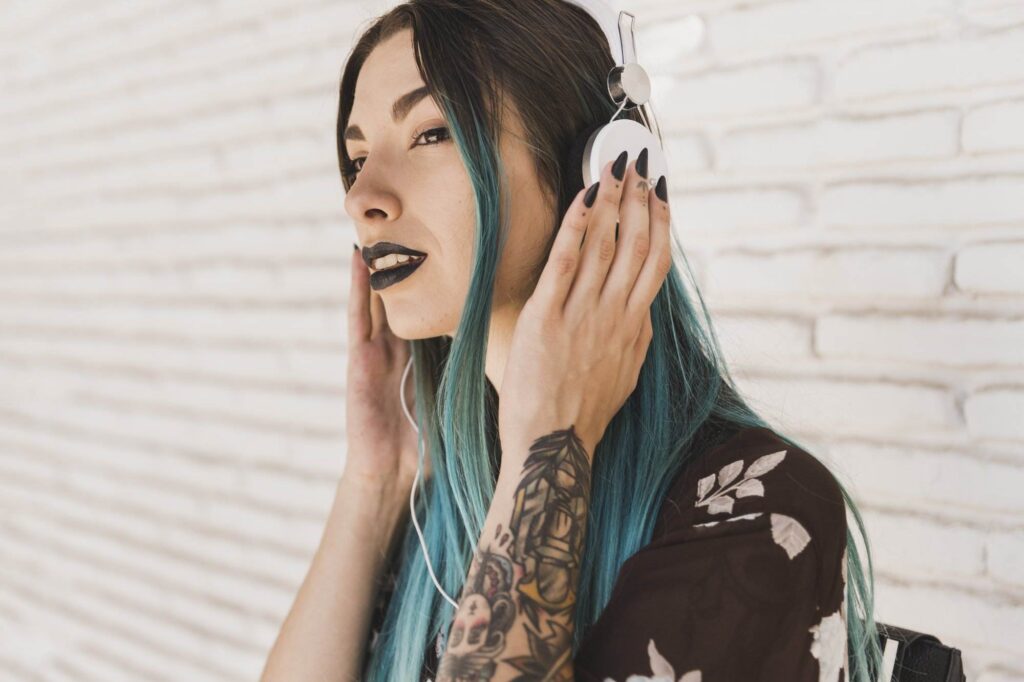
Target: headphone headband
x=608, y=19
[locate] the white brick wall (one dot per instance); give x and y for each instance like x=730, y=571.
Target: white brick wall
x=848, y=179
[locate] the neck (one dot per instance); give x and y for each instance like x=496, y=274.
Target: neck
x=499, y=341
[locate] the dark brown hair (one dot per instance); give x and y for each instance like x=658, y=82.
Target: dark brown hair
x=546, y=59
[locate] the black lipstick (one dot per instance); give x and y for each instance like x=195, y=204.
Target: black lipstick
x=372, y=253
x=385, y=278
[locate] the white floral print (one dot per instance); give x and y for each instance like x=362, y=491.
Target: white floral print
x=720, y=501
x=741, y=517
x=789, y=534
x=661, y=670
x=829, y=646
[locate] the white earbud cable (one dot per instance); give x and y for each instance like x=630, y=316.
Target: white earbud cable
x=415, y=483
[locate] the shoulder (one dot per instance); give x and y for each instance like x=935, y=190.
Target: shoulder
x=757, y=480
x=754, y=470
x=744, y=573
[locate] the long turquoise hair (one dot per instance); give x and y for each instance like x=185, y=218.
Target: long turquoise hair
x=549, y=59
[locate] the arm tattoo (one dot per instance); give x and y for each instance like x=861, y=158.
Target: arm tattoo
x=526, y=577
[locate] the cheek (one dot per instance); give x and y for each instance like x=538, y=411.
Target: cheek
x=524, y=257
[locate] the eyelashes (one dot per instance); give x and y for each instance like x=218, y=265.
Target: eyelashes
x=351, y=170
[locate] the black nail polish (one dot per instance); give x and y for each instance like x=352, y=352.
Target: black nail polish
x=588, y=198
x=662, y=189
x=641, y=163
x=355, y=246
x=619, y=167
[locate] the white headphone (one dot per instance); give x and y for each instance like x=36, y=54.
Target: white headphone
x=629, y=87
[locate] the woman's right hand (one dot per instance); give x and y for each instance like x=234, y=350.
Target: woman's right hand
x=382, y=444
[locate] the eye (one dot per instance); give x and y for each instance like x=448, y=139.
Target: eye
x=441, y=132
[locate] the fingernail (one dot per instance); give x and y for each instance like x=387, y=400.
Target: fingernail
x=588, y=198
x=619, y=167
x=662, y=189
x=355, y=246
x=641, y=163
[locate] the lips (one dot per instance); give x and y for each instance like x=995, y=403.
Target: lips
x=380, y=249
x=385, y=278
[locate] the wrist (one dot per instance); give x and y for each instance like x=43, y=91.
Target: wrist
x=517, y=444
x=378, y=506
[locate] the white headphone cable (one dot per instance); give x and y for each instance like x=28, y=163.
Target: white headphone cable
x=412, y=493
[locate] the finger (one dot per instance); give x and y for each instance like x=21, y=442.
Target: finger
x=645, y=334
x=563, y=260
x=658, y=262
x=378, y=315
x=642, y=346
x=599, y=243
x=358, y=299
x=634, y=237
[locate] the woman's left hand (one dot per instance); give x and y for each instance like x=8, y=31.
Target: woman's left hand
x=582, y=337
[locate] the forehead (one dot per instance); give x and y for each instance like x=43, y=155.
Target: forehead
x=388, y=72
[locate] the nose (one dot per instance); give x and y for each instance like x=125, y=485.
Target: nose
x=372, y=197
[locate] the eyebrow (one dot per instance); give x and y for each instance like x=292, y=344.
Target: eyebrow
x=399, y=110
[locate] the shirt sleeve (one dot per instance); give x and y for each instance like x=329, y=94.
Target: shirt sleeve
x=744, y=580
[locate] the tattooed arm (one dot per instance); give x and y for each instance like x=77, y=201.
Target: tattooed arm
x=515, y=615
x=574, y=359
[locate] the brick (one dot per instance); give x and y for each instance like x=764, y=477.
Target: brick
x=994, y=128
x=780, y=27
x=996, y=413
x=1006, y=557
x=717, y=210
x=104, y=613
x=285, y=489
x=178, y=539
x=762, y=339
x=963, y=341
x=957, y=617
x=952, y=202
x=195, y=322
x=920, y=546
x=949, y=479
x=829, y=273
x=838, y=406
x=993, y=14
x=666, y=41
x=933, y=65
x=990, y=268
x=686, y=153
x=783, y=85
x=839, y=141
x=993, y=675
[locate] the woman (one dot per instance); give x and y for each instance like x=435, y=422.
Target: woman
x=621, y=511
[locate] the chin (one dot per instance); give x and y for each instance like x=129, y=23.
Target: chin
x=414, y=327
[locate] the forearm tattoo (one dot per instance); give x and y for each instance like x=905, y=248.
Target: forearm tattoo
x=526, y=577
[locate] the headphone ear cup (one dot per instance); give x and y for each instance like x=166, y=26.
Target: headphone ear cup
x=573, y=176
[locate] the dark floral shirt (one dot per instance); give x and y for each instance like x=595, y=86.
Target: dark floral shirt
x=744, y=577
